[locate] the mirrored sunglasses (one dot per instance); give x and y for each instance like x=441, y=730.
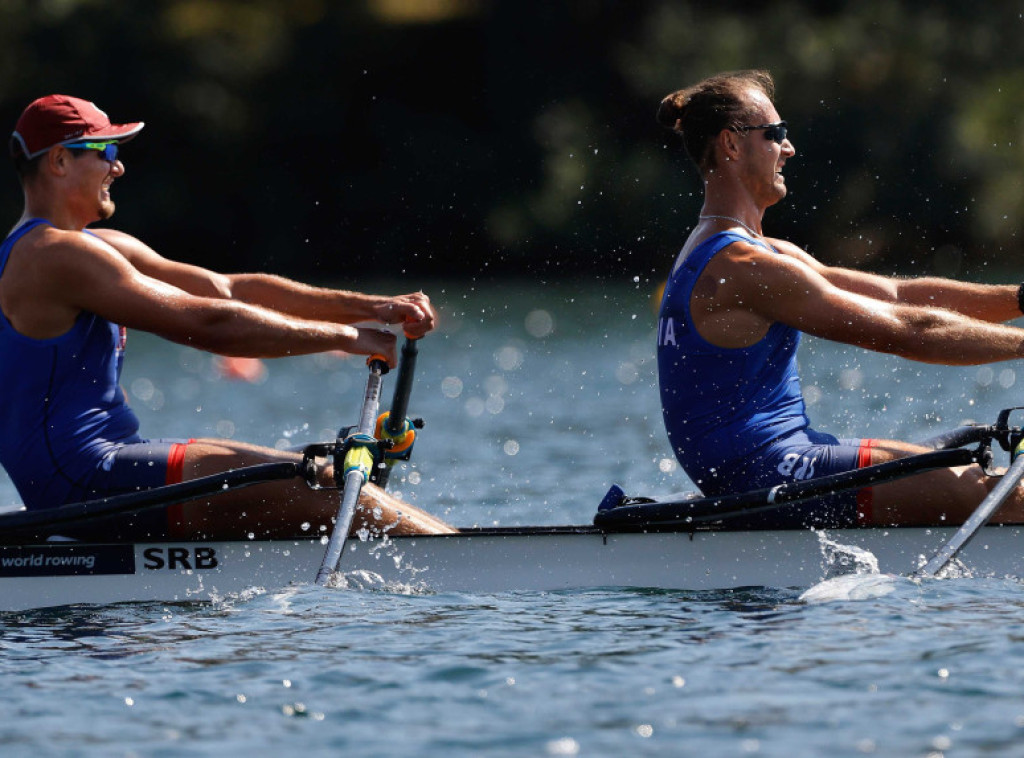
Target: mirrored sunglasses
x=108, y=150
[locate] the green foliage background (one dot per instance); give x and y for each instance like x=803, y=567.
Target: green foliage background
x=466, y=138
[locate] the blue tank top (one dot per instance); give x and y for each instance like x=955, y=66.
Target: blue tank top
x=63, y=408
x=722, y=404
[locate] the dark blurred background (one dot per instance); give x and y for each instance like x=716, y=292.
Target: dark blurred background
x=476, y=139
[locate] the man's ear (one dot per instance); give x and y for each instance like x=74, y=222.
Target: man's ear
x=58, y=159
x=728, y=144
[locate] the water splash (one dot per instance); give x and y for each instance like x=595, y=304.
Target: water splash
x=851, y=573
x=840, y=560
x=955, y=569
x=369, y=581
x=227, y=601
x=851, y=587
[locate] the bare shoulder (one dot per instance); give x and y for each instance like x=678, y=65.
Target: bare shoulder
x=745, y=272
x=48, y=248
x=750, y=256
x=57, y=266
x=114, y=237
x=127, y=245
x=734, y=251
x=50, y=270
x=61, y=249
x=795, y=251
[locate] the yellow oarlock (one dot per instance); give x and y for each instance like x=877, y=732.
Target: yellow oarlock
x=360, y=455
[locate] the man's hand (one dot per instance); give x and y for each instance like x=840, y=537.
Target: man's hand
x=414, y=312
x=375, y=342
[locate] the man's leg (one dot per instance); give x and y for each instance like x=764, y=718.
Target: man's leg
x=946, y=496
x=278, y=509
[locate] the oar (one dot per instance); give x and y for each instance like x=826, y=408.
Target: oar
x=396, y=426
x=358, y=463
x=16, y=527
x=652, y=515
x=979, y=518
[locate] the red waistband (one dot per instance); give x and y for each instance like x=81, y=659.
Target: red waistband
x=175, y=474
x=865, y=498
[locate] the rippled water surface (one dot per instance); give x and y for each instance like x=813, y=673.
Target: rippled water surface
x=536, y=399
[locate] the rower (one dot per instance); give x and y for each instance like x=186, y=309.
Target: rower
x=733, y=311
x=69, y=292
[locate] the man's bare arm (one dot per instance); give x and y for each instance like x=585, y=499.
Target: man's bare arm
x=783, y=288
x=88, y=274
x=987, y=302
x=277, y=293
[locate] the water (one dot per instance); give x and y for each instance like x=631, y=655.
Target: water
x=536, y=399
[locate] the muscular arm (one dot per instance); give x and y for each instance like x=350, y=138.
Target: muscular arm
x=277, y=293
x=83, y=273
x=784, y=288
x=986, y=302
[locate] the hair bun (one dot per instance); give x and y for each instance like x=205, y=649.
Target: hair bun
x=670, y=114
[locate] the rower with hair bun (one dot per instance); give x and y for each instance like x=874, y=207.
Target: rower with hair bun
x=733, y=311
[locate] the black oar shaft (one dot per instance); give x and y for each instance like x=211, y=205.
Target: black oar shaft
x=711, y=509
x=403, y=386
x=400, y=400
x=17, y=527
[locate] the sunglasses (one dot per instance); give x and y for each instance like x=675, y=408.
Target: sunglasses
x=774, y=132
x=107, y=150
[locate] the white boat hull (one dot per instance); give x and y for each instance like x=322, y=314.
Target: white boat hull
x=483, y=561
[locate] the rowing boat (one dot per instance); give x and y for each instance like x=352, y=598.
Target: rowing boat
x=676, y=543
x=671, y=543
x=483, y=561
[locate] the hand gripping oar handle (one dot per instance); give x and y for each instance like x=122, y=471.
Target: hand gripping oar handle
x=358, y=463
x=979, y=518
x=395, y=423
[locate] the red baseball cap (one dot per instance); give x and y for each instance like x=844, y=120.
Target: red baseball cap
x=58, y=119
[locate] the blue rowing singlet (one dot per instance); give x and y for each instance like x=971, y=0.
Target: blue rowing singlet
x=61, y=406
x=722, y=404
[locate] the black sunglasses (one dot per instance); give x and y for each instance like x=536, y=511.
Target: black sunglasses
x=774, y=132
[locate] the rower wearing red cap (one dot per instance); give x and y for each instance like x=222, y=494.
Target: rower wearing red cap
x=67, y=295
